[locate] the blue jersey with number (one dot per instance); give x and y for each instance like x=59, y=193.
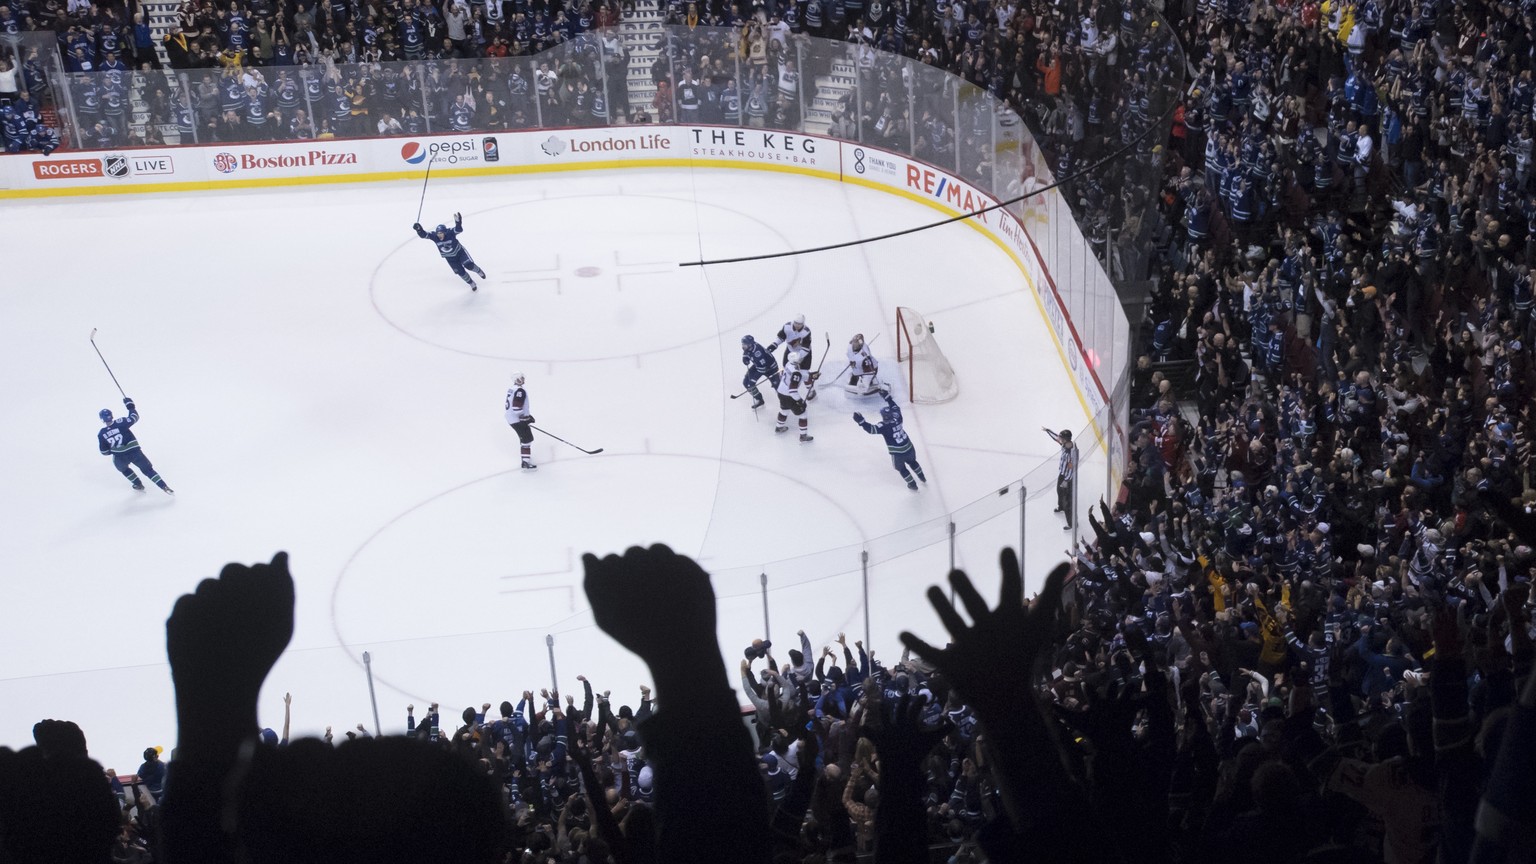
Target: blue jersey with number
x=895, y=436
x=116, y=437
x=761, y=361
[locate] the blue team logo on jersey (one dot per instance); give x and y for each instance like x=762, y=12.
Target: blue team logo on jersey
x=413, y=153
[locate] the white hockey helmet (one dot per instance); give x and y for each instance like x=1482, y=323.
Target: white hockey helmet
x=517, y=378
x=800, y=320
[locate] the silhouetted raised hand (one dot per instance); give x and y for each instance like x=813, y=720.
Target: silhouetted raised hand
x=222, y=641
x=710, y=803
x=992, y=661
x=653, y=601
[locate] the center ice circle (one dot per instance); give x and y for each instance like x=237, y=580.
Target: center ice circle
x=604, y=266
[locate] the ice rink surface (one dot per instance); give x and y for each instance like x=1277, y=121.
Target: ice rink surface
x=312, y=378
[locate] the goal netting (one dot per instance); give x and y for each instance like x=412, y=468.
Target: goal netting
x=930, y=378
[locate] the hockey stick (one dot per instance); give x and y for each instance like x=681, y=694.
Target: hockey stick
x=423, y=201
x=824, y=353
x=565, y=442
x=104, y=363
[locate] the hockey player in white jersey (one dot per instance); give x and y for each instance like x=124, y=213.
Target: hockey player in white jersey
x=794, y=335
x=520, y=417
x=862, y=369
x=793, y=384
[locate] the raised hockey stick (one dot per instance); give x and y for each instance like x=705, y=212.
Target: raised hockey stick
x=424, y=179
x=565, y=442
x=824, y=353
x=104, y=363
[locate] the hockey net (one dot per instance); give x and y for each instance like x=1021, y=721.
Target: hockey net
x=930, y=378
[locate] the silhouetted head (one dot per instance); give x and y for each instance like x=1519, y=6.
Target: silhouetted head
x=368, y=800
x=55, y=809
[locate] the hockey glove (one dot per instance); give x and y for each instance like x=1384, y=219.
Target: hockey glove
x=815, y=375
x=529, y=420
x=857, y=417
x=458, y=218
x=127, y=400
x=419, y=229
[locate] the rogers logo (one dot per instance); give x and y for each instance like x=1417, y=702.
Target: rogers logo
x=227, y=163
x=449, y=152
x=58, y=169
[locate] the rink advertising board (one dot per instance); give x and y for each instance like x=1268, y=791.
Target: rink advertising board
x=234, y=165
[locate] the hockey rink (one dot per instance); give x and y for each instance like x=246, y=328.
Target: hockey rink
x=312, y=378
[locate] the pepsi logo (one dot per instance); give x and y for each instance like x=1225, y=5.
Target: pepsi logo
x=413, y=152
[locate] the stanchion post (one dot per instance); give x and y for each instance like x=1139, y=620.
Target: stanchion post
x=1023, y=522
x=554, y=681
x=864, y=567
x=372, y=698
x=951, y=560
x=762, y=579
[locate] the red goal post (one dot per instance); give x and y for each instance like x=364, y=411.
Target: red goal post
x=930, y=378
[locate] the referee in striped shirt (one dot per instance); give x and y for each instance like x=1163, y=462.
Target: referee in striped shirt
x=1066, y=473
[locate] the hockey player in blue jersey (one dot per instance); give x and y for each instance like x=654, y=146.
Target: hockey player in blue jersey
x=761, y=365
x=903, y=457
x=116, y=439
x=448, y=246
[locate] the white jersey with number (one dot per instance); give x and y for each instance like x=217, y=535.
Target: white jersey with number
x=793, y=383
x=517, y=405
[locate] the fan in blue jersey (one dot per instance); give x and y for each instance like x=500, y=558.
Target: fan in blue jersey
x=116, y=439
x=448, y=245
x=762, y=365
x=903, y=457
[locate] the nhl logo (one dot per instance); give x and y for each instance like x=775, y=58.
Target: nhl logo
x=553, y=147
x=116, y=165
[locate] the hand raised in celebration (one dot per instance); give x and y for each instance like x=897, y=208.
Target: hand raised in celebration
x=653, y=601
x=222, y=641
x=992, y=661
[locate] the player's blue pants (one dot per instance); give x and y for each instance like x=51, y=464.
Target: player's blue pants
x=908, y=457
x=125, y=462
x=461, y=263
x=753, y=376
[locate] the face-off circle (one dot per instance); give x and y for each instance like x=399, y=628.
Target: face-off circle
x=627, y=290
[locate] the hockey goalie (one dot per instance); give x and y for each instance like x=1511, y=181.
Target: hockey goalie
x=863, y=369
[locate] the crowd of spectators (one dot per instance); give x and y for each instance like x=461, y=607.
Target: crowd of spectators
x=1121, y=715
x=301, y=69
